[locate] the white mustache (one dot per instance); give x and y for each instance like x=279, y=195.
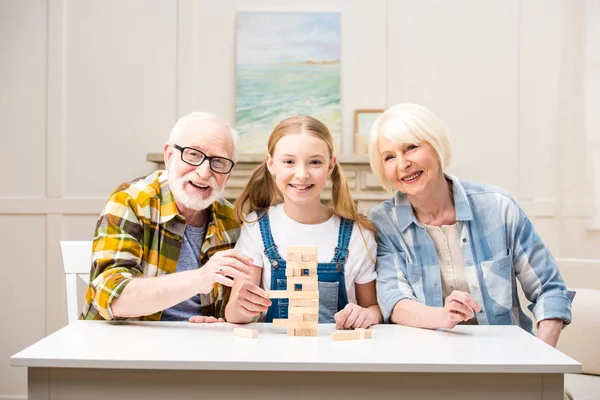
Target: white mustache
x=212, y=182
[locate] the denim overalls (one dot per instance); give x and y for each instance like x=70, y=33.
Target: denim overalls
x=332, y=287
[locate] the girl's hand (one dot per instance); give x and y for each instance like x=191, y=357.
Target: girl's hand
x=354, y=316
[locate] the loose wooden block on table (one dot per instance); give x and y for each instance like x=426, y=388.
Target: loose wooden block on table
x=246, y=333
x=355, y=334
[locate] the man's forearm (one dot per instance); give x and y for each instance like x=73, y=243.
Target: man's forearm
x=146, y=296
x=549, y=331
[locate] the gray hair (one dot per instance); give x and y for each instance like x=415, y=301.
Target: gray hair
x=408, y=123
x=184, y=121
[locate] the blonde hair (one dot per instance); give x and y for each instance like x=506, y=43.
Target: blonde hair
x=261, y=191
x=408, y=123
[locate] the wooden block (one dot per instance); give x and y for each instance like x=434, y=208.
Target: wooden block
x=301, y=265
x=296, y=271
x=345, y=335
x=246, y=333
x=295, y=317
x=308, y=253
x=352, y=335
x=287, y=294
x=365, y=333
x=304, y=303
x=286, y=323
x=311, y=317
x=306, y=332
x=302, y=279
x=280, y=322
x=303, y=295
x=291, y=332
x=303, y=310
x=306, y=287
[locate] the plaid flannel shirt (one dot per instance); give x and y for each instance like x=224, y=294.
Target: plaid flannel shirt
x=498, y=246
x=139, y=234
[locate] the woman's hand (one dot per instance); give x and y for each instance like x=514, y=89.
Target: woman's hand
x=354, y=316
x=459, y=306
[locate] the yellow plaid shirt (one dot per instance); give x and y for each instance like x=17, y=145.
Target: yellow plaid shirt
x=139, y=234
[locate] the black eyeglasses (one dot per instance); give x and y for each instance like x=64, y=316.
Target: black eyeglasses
x=195, y=157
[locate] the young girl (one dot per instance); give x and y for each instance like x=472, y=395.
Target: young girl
x=281, y=206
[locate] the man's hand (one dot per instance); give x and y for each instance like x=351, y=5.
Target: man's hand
x=459, y=306
x=200, y=319
x=221, y=267
x=354, y=316
x=251, y=299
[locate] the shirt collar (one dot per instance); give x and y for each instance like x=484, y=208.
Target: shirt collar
x=168, y=208
x=406, y=215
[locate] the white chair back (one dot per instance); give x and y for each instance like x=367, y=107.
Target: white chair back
x=76, y=263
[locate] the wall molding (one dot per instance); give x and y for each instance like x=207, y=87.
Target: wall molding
x=45, y=205
x=537, y=208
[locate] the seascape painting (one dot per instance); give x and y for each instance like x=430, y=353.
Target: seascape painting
x=288, y=63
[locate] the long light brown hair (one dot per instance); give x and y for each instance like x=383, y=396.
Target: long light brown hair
x=261, y=191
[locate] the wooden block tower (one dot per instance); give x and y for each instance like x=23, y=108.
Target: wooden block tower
x=302, y=290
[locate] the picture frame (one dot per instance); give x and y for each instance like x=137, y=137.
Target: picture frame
x=363, y=121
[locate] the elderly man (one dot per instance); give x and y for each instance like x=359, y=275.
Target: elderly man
x=163, y=246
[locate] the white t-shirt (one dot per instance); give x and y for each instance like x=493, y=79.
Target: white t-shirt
x=286, y=232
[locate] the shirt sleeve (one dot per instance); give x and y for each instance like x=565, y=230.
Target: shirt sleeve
x=538, y=273
x=366, y=257
x=250, y=242
x=392, y=283
x=116, y=253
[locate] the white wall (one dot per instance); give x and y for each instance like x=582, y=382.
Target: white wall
x=91, y=87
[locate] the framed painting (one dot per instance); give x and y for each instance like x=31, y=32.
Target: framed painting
x=288, y=63
x=363, y=121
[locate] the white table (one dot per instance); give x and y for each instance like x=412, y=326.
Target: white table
x=163, y=360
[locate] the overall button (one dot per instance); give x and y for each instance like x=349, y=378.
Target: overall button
x=469, y=263
x=275, y=264
x=176, y=237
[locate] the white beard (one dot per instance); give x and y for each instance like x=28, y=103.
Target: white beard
x=197, y=203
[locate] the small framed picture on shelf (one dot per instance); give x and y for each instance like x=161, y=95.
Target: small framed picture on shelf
x=363, y=121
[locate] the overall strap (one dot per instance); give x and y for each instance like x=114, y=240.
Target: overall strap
x=344, y=235
x=265, y=232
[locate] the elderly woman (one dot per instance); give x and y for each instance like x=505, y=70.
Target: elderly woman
x=450, y=251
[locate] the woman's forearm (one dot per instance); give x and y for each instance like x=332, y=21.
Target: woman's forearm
x=411, y=313
x=549, y=331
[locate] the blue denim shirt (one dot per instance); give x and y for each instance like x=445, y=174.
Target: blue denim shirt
x=498, y=245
